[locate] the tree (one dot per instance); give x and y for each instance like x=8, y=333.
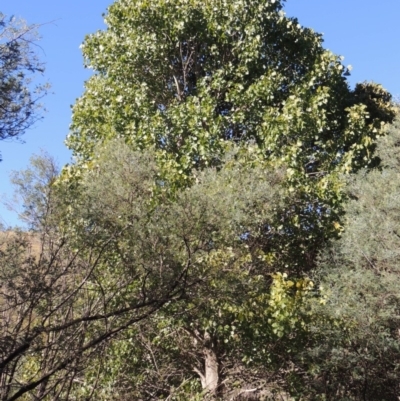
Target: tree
x=191, y=78
x=231, y=332
x=98, y=262
x=356, y=355
x=195, y=81
x=18, y=65
x=63, y=300
x=201, y=227
x=186, y=77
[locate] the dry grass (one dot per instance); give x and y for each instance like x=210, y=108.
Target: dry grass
x=33, y=239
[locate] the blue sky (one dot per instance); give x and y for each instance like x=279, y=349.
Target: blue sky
x=365, y=32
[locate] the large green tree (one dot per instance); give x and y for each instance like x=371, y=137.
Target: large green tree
x=210, y=144
x=194, y=81
x=189, y=78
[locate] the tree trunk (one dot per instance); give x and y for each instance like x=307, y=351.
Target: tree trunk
x=211, y=374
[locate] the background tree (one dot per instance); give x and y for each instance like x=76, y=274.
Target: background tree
x=356, y=354
x=19, y=107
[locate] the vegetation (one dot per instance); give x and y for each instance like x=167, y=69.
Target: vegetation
x=63, y=300
x=228, y=231
x=360, y=276
x=19, y=107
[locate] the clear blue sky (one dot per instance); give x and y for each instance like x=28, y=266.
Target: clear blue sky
x=365, y=32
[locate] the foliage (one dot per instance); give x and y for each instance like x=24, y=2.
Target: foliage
x=18, y=65
x=212, y=146
x=185, y=77
x=241, y=313
x=61, y=301
x=189, y=78
x=118, y=257
x=218, y=92
x=357, y=354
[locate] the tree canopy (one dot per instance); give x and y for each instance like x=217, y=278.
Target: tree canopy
x=18, y=65
x=192, y=78
x=189, y=76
